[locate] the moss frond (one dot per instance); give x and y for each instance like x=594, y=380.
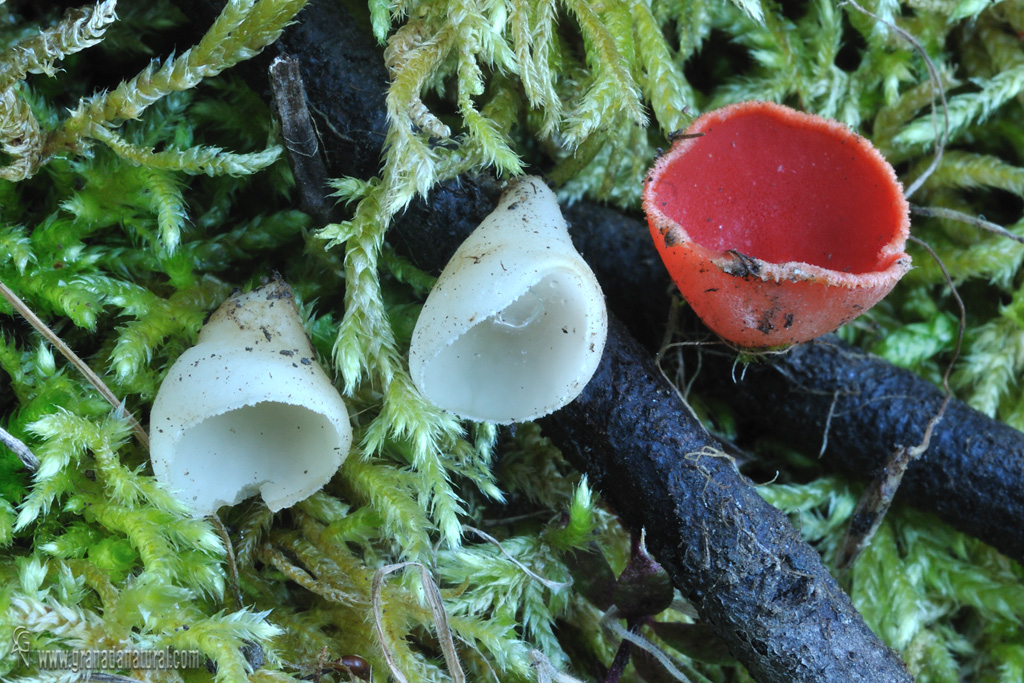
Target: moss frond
x=15, y=247
x=613, y=93
x=21, y=136
x=950, y=574
x=992, y=93
x=665, y=86
x=579, y=529
x=6, y=522
x=138, y=340
x=533, y=40
x=497, y=587
x=241, y=31
x=222, y=637
x=38, y=54
x=391, y=493
x=193, y=161
x=752, y=8
x=994, y=362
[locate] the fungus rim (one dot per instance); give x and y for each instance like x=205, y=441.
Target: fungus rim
x=732, y=262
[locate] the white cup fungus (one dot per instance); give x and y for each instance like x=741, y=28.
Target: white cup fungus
x=516, y=324
x=248, y=409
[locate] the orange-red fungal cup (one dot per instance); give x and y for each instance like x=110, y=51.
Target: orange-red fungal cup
x=777, y=226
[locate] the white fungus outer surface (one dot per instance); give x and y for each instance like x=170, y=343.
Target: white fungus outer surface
x=516, y=324
x=248, y=409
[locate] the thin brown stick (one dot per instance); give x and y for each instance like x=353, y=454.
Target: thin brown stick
x=547, y=583
x=433, y=596
x=976, y=221
x=301, y=141
x=73, y=358
x=933, y=72
x=16, y=446
x=963, y=314
x=877, y=498
x=229, y=550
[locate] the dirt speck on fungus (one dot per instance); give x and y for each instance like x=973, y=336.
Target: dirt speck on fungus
x=671, y=238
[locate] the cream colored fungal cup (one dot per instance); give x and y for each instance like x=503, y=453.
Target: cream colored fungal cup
x=248, y=410
x=516, y=324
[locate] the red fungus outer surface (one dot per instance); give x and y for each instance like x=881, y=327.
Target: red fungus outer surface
x=777, y=226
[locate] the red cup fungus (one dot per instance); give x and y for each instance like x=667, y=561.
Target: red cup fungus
x=777, y=226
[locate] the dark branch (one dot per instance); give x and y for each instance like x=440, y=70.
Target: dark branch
x=971, y=475
x=860, y=406
x=734, y=556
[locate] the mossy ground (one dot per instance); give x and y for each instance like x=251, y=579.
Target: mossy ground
x=123, y=233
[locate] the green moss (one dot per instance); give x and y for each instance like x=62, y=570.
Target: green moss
x=125, y=221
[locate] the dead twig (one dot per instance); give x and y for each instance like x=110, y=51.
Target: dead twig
x=229, y=550
x=73, y=358
x=933, y=73
x=15, y=445
x=301, y=141
x=976, y=221
x=876, y=500
x=433, y=596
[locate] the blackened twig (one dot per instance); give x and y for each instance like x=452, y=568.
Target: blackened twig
x=973, y=473
x=754, y=580
x=734, y=556
x=622, y=654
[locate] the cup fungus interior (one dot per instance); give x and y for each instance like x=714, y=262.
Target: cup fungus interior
x=781, y=186
x=505, y=364
x=268, y=445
